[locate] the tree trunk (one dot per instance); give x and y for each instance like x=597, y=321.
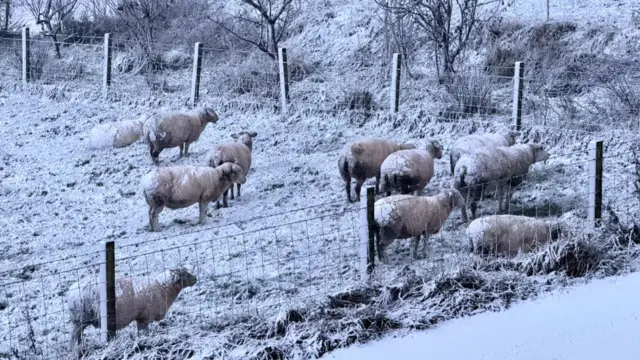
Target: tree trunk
x=272, y=38
x=7, y=15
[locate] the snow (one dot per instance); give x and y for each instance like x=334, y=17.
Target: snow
x=592, y=321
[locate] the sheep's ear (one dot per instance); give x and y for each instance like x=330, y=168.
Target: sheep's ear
x=253, y=134
x=235, y=136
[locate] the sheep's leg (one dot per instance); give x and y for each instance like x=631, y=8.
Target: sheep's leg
x=231, y=189
x=358, y=188
x=474, y=207
x=414, y=246
x=425, y=238
x=239, y=189
x=154, y=223
x=203, y=211
x=186, y=148
x=76, y=335
x=181, y=146
x=382, y=252
x=143, y=325
x=378, y=184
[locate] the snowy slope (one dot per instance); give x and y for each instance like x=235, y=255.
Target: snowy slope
x=593, y=321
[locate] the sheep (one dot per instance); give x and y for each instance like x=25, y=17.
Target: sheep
x=467, y=144
x=116, y=135
x=237, y=152
x=139, y=299
x=500, y=167
x=409, y=170
x=404, y=216
x=176, y=129
x=509, y=234
x=178, y=187
x=361, y=160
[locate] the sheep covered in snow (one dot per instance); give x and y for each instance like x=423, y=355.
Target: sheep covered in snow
x=139, y=299
x=404, y=216
x=361, y=160
x=178, y=187
x=116, y=135
x=501, y=168
x=509, y=234
x=237, y=152
x=409, y=170
x=467, y=144
x=176, y=129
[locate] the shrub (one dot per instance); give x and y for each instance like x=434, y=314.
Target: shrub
x=470, y=94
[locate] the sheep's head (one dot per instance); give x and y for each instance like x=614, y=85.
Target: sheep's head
x=539, y=153
x=435, y=148
x=234, y=173
x=511, y=136
x=456, y=199
x=209, y=115
x=245, y=137
x=182, y=276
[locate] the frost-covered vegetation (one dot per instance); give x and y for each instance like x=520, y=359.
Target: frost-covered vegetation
x=278, y=270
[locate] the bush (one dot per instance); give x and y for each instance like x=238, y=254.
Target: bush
x=470, y=94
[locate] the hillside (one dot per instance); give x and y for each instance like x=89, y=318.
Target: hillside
x=267, y=264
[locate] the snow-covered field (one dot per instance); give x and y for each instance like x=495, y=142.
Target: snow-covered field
x=589, y=321
x=290, y=239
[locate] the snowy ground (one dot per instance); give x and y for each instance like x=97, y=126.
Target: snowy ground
x=590, y=321
x=290, y=240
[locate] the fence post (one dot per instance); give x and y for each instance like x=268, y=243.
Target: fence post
x=395, y=82
x=107, y=292
x=283, y=69
x=108, y=56
x=595, y=182
x=195, y=76
x=367, y=239
x=26, y=56
x=518, y=87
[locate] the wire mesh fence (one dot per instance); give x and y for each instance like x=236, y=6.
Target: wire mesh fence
x=263, y=266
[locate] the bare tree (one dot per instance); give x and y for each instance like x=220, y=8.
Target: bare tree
x=144, y=19
x=447, y=24
x=261, y=23
x=50, y=15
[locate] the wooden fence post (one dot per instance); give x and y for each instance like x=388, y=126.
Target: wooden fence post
x=107, y=292
x=108, y=57
x=595, y=182
x=396, y=69
x=367, y=239
x=26, y=56
x=518, y=87
x=283, y=69
x=195, y=76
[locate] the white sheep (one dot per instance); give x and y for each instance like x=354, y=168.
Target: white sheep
x=178, y=187
x=409, y=170
x=501, y=168
x=361, y=160
x=237, y=152
x=176, y=129
x=140, y=299
x=116, y=135
x=467, y=144
x=405, y=216
x=509, y=234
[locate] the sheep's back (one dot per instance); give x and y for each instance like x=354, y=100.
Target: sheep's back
x=495, y=163
x=174, y=129
x=366, y=156
x=181, y=186
x=234, y=152
x=404, y=215
x=506, y=234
